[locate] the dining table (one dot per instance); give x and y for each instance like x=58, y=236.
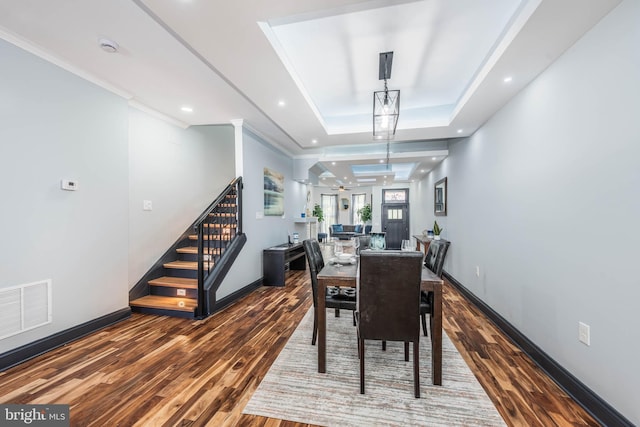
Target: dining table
x=333, y=274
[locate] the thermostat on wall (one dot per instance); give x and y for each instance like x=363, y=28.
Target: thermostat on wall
x=67, y=184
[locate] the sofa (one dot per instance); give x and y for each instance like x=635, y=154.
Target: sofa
x=346, y=231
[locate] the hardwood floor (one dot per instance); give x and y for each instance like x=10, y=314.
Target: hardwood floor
x=160, y=371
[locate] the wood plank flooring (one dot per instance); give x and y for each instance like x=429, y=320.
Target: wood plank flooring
x=160, y=371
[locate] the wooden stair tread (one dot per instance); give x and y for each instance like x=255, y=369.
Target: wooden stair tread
x=194, y=250
x=206, y=224
x=185, y=265
x=175, y=282
x=166, y=303
x=223, y=214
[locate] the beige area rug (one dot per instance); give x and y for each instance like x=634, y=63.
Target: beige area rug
x=294, y=390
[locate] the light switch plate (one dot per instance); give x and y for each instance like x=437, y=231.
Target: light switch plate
x=147, y=205
x=584, y=333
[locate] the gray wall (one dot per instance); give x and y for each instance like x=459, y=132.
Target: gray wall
x=544, y=199
x=54, y=125
x=271, y=230
x=181, y=171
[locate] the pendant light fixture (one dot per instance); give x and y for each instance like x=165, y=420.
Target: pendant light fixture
x=386, y=103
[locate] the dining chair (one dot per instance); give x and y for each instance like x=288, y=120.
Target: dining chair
x=388, y=296
x=335, y=297
x=434, y=261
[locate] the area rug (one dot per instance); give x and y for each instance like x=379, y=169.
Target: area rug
x=294, y=390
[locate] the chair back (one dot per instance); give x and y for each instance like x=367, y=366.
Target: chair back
x=389, y=295
x=314, y=262
x=318, y=253
x=364, y=243
x=434, y=260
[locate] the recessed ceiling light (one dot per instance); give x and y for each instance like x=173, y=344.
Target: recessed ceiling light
x=281, y=103
x=345, y=177
x=508, y=79
x=314, y=141
x=433, y=158
x=381, y=160
x=187, y=109
x=324, y=177
x=421, y=170
x=385, y=177
x=333, y=163
x=459, y=131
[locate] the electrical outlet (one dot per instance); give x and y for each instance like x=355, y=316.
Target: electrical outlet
x=181, y=292
x=584, y=333
x=477, y=271
x=147, y=205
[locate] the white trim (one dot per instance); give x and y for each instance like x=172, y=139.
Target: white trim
x=43, y=53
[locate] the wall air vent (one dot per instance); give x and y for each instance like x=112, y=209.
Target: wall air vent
x=24, y=307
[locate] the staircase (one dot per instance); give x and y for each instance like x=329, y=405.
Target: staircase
x=184, y=280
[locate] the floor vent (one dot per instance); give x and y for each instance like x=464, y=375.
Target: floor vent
x=24, y=307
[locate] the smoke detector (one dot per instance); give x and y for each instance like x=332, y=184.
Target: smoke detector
x=108, y=45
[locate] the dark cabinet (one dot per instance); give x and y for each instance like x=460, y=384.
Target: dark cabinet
x=275, y=258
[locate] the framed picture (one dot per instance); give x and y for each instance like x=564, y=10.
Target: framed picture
x=273, y=193
x=440, y=198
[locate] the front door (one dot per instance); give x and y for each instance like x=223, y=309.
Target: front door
x=395, y=223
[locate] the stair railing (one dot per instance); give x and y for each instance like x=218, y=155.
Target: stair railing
x=217, y=227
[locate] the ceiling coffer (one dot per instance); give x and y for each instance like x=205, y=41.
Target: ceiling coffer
x=386, y=103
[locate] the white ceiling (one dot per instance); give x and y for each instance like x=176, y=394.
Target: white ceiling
x=242, y=59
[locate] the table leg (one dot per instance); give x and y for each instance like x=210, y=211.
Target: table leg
x=436, y=336
x=322, y=328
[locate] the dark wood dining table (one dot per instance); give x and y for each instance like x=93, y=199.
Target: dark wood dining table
x=347, y=276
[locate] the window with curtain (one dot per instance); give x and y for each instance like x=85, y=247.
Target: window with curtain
x=357, y=202
x=329, y=204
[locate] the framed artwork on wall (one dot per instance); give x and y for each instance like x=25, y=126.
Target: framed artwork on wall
x=273, y=193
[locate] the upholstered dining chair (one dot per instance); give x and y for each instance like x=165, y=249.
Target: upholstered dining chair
x=434, y=261
x=388, y=303
x=335, y=297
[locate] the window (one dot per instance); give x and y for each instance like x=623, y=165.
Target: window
x=394, y=214
x=329, y=204
x=395, y=196
x=357, y=202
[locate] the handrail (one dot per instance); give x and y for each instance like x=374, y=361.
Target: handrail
x=222, y=227
x=236, y=182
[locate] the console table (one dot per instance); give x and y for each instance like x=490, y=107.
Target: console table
x=275, y=258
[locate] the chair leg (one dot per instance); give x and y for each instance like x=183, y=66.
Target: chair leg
x=361, y=351
x=315, y=327
x=406, y=351
x=384, y=346
x=354, y=318
x=424, y=325
x=337, y=312
x=416, y=368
